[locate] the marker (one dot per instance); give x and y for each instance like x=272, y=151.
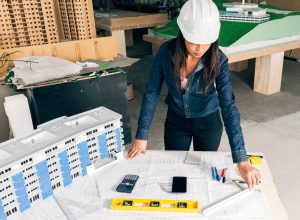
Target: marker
x=217, y=175
x=223, y=175
x=213, y=173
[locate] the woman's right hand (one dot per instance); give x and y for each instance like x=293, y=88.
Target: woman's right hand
x=137, y=147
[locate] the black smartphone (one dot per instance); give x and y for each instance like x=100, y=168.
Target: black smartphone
x=179, y=184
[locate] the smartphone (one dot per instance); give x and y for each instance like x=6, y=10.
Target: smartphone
x=179, y=184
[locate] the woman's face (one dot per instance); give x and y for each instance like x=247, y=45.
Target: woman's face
x=196, y=50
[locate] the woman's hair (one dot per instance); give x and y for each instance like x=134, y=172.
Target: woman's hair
x=211, y=62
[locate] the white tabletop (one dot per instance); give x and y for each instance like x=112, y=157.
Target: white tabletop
x=90, y=197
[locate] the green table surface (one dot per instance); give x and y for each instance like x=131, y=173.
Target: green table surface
x=280, y=25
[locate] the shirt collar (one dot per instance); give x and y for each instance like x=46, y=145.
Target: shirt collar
x=200, y=65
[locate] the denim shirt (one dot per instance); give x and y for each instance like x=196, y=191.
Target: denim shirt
x=192, y=103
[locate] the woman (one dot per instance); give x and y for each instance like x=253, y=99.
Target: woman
x=199, y=83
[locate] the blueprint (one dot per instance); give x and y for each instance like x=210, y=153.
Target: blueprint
x=155, y=170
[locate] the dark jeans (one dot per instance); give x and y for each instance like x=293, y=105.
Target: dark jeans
x=205, y=131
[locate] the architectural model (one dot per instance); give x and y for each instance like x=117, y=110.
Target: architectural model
x=27, y=23
x=38, y=165
x=244, y=12
x=36, y=22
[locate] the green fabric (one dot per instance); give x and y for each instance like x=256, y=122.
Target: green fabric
x=234, y=33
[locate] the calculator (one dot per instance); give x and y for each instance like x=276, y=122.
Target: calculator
x=128, y=183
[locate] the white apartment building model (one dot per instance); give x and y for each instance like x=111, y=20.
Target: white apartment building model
x=34, y=167
x=244, y=12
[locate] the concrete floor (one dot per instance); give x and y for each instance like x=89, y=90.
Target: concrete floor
x=271, y=124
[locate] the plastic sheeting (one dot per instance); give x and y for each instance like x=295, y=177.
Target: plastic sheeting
x=43, y=68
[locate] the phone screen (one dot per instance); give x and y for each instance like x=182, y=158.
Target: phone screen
x=179, y=184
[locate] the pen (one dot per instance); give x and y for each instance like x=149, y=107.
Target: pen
x=217, y=175
x=213, y=173
x=252, y=155
x=238, y=182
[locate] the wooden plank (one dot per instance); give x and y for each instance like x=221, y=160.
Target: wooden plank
x=139, y=22
x=97, y=49
x=263, y=51
x=268, y=73
x=124, y=20
x=106, y=48
x=44, y=50
x=244, y=55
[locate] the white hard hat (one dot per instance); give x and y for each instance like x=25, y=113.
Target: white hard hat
x=199, y=21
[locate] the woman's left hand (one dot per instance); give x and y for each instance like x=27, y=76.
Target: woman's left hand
x=249, y=173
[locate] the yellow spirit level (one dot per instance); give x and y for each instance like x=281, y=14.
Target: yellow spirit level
x=154, y=205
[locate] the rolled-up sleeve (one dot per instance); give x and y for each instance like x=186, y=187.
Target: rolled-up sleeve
x=230, y=113
x=151, y=96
